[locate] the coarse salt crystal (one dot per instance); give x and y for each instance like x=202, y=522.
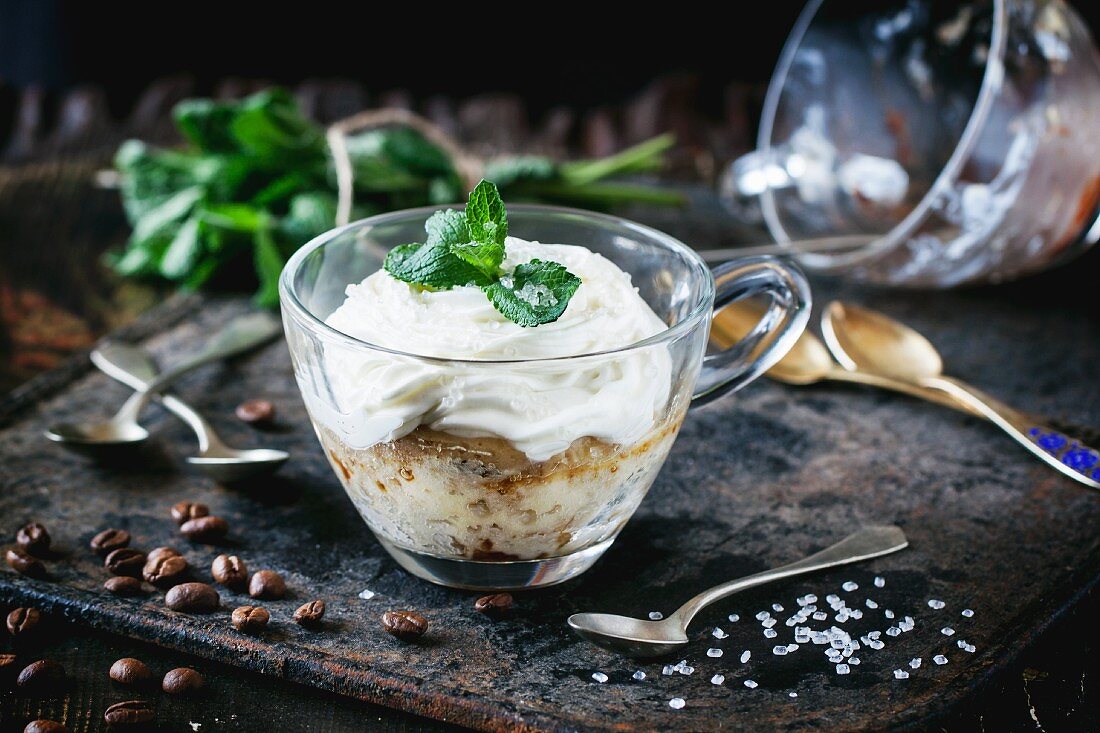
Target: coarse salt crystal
x=780, y=650
x=935, y=604
x=792, y=694
x=639, y=675
x=819, y=637
x=854, y=661
x=717, y=679
x=768, y=623
x=914, y=662
x=820, y=616
x=893, y=631
x=734, y=618
x=871, y=604
x=843, y=669
x=801, y=638
x=876, y=644
x=750, y=684
x=901, y=674
x=947, y=631
x=718, y=633
x=792, y=648
x=939, y=659
x=967, y=612
x=366, y=594
x=656, y=615
x=745, y=655
x=687, y=670
x=668, y=669
x=880, y=581
x=888, y=613
x=777, y=608
x=811, y=598
x=832, y=598
x=714, y=652
x=763, y=615
x=850, y=586
x=676, y=703
x=599, y=677
x=770, y=633
x=856, y=613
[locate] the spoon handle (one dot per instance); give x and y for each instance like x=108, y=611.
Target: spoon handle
x=869, y=542
x=1063, y=452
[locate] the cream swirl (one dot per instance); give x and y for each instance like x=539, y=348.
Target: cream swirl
x=540, y=407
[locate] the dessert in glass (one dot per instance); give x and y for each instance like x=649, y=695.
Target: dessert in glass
x=486, y=454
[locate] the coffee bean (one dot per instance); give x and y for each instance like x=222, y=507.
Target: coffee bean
x=125, y=561
x=494, y=604
x=159, y=552
x=130, y=671
x=182, y=681
x=165, y=569
x=24, y=563
x=256, y=412
x=250, y=619
x=33, y=538
x=124, y=586
x=187, y=510
x=405, y=625
x=131, y=712
x=205, y=529
x=42, y=676
x=266, y=584
x=23, y=621
x=230, y=571
x=108, y=540
x=45, y=726
x=310, y=614
x=193, y=598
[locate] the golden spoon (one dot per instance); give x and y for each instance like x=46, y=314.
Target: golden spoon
x=867, y=343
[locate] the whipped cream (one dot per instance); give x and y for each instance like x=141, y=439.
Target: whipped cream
x=541, y=408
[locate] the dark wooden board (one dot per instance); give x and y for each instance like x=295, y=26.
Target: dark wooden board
x=754, y=480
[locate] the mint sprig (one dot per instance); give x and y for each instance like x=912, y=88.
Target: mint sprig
x=467, y=248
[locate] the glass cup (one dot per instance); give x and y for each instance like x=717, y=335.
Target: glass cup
x=957, y=140
x=476, y=512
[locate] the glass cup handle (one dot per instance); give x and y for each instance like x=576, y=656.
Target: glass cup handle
x=782, y=323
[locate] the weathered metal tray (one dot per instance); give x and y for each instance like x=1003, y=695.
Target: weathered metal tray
x=754, y=480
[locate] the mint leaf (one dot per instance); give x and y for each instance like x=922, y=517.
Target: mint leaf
x=432, y=265
x=447, y=227
x=485, y=215
x=536, y=292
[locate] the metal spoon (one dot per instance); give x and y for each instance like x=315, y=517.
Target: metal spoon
x=133, y=367
x=870, y=342
x=242, y=333
x=635, y=637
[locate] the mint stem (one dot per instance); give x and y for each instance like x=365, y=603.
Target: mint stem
x=641, y=157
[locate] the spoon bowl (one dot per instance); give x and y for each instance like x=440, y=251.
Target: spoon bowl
x=806, y=362
x=82, y=435
x=236, y=465
x=631, y=636
x=867, y=340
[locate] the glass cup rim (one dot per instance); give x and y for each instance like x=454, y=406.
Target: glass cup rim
x=293, y=305
x=992, y=77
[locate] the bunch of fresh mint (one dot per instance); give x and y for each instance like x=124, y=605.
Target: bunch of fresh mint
x=256, y=181
x=467, y=249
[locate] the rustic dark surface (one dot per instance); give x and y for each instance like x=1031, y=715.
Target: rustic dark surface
x=754, y=480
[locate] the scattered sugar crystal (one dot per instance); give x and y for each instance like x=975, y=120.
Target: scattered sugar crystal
x=656, y=615
x=893, y=631
x=834, y=655
x=718, y=633
x=811, y=598
x=914, y=662
x=714, y=652
x=777, y=608
x=639, y=675
x=832, y=598
x=792, y=648
x=819, y=637
x=763, y=615
x=871, y=604
x=734, y=618
x=846, y=651
x=745, y=655
x=875, y=644
x=792, y=694
x=854, y=661
x=668, y=669
x=820, y=616
x=780, y=650
x=939, y=659
x=856, y=613
x=599, y=677
x=947, y=631
x=717, y=679
x=850, y=586
x=970, y=648
x=841, y=618
x=936, y=605
x=843, y=669
x=888, y=613
x=880, y=582
x=676, y=703
x=794, y=620
x=874, y=634
x=750, y=684
x=908, y=620
x=770, y=633
x=801, y=600
x=836, y=643
x=901, y=674
x=366, y=594
x=906, y=624
x=768, y=623
x=801, y=638
x=967, y=612
x=687, y=670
